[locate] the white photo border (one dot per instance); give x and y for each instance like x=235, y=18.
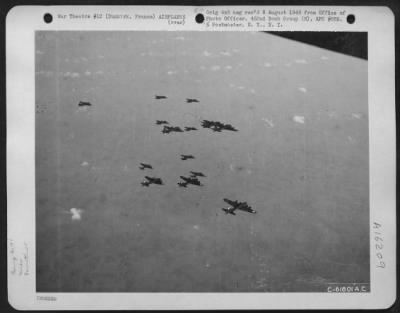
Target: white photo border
x=21, y=24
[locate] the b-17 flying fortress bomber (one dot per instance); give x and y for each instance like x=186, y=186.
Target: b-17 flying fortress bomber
x=152, y=180
x=160, y=97
x=158, y=122
x=171, y=129
x=189, y=100
x=144, y=165
x=84, y=103
x=189, y=180
x=236, y=205
x=186, y=157
x=217, y=126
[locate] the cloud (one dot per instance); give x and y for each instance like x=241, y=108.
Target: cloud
x=299, y=119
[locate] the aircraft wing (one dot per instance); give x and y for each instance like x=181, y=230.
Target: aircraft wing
x=245, y=207
x=231, y=203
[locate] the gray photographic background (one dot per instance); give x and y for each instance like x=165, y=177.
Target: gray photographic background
x=300, y=159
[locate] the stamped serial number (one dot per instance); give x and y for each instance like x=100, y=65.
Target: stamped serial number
x=379, y=245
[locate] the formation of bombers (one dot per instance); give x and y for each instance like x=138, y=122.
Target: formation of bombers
x=193, y=178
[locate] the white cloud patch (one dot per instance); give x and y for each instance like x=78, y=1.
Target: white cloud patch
x=332, y=114
x=301, y=61
x=226, y=53
x=215, y=68
x=299, y=119
x=76, y=214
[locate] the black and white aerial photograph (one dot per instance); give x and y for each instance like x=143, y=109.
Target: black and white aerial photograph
x=199, y=161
